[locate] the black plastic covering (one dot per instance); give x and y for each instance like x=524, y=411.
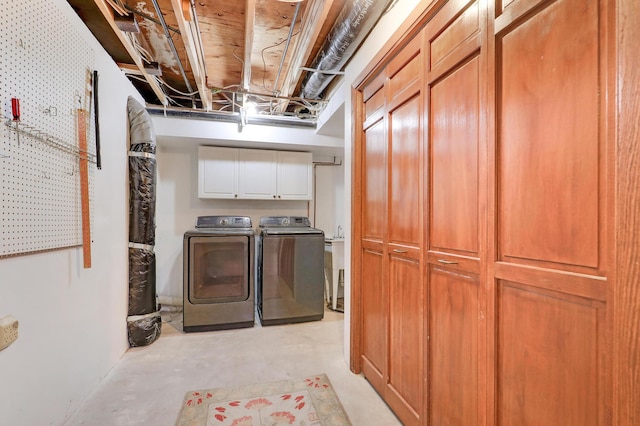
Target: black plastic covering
x=142, y=197
x=354, y=22
x=144, y=322
x=142, y=281
x=144, y=331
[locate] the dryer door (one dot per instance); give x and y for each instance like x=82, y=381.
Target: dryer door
x=219, y=270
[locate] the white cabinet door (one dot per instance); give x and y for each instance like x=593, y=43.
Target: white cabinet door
x=294, y=175
x=217, y=172
x=257, y=174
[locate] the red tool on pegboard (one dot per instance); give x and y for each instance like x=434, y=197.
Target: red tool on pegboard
x=15, y=109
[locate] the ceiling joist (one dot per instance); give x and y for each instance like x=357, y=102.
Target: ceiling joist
x=107, y=12
x=250, y=16
x=312, y=22
x=187, y=30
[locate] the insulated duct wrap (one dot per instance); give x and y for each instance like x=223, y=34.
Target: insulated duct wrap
x=145, y=330
x=354, y=22
x=142, y=281
x=142, y=196
x=144, y=322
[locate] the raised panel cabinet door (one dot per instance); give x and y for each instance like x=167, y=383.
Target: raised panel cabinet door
x=453, y=347
x=295, y=177
x=454, y=130
x=405, y=202
x=549, y=137
x=406, y=339
x=374, y=182
x=257, y=174
x=217, y=172
x=549, y=360
x=375, y=314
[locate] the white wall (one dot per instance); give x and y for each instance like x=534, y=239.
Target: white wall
x=184, y=131
x=329, y=197
x=72, y=320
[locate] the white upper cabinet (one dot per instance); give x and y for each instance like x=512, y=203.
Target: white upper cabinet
x=254, y=174
x=294, y=175
x=217, y=172
x=257, y=178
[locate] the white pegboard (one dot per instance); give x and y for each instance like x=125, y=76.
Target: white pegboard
x=46, y=64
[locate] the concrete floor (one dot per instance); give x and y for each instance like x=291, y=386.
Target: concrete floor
x=147, y=385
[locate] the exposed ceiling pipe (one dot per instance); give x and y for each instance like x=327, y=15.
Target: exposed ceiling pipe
x=286, y=47
x=163, y=23
x=199, y=35
x=354, y=22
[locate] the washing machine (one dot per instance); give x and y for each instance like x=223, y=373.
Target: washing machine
x=218, y=282
x=290, y=277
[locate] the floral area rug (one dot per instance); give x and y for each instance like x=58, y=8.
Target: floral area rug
x=303, y=402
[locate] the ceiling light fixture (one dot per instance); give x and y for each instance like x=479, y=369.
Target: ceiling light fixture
x=251, y=108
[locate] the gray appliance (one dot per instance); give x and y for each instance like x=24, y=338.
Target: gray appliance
x=290, y=277
x=218, y=282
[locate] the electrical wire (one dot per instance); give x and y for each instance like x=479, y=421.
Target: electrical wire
x=264, y=63
x=176, y=90
x=236, y=56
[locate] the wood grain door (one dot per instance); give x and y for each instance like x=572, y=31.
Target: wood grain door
x=374, y=303
x=405, y=388
x=456, y=80
x=391, y=246
x=551, y=223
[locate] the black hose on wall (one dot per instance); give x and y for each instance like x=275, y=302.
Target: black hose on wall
x=144, y=322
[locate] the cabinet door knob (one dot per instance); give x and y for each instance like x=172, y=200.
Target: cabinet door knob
x=447, y=262
x=236, y=195
x=279, y=196
x=274, y=196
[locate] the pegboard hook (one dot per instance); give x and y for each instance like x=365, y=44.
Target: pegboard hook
x=51, y=111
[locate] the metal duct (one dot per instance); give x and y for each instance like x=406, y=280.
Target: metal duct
x=354, y=22
x=144, y=322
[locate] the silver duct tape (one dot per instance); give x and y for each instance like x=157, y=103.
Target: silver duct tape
x=141, y=246
x=133, y=318
x=142, y=154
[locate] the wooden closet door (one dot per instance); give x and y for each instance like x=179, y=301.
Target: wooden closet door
x=405, y=240
x=375, y=293
x=456, y=49
x=553, y=98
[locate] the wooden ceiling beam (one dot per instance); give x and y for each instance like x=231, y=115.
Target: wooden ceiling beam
x=312, y=22
x=129, y=68
x=250, y=21
x=187, y=30
x=107, y=12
